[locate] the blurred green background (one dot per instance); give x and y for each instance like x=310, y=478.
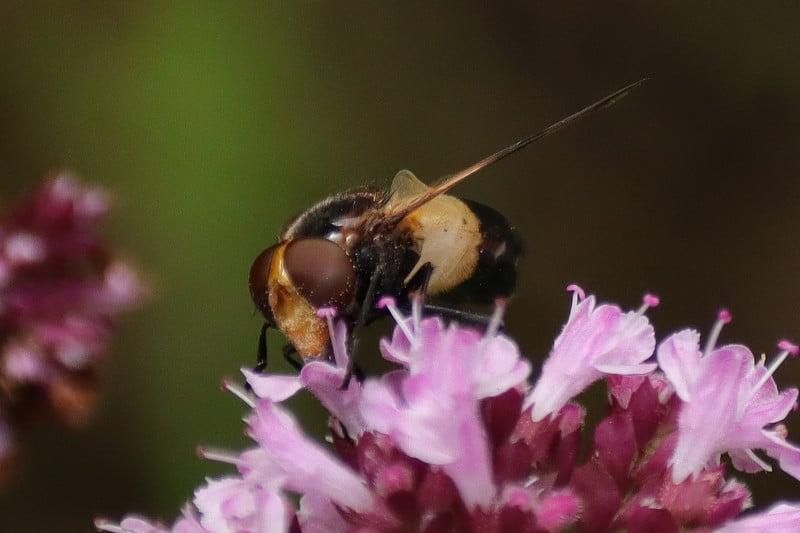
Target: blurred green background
x=213, y=123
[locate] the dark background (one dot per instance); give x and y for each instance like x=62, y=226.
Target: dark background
x=213, y=123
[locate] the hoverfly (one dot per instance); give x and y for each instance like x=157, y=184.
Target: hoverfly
x=352, y=248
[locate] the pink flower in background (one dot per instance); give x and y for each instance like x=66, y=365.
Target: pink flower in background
x=61, y=291
x=457, y=440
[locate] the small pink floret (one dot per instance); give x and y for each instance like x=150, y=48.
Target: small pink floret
x=455, y=435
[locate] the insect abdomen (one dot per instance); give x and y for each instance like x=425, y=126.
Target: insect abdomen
x=495, y=273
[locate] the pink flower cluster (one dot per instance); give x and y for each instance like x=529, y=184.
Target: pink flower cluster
x=61, y=291
x=457, y=440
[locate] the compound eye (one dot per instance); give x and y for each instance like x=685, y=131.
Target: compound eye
x=321, y=271
x=259, y=282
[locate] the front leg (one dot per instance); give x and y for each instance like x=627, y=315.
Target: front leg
x=367, y=306
x=261, y=357
x=289, y=351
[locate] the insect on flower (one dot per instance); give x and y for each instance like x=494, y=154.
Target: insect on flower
x=354, y=247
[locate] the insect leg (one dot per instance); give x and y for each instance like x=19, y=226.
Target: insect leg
x=352, y=339
x=261, y=359
x=419, y=283
x=288, y=352
x=465, y=317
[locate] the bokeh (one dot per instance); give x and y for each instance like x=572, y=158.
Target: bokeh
x=215, y=122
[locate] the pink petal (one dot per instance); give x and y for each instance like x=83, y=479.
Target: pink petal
x=274, y=513
x=626, y=370
x=319, y=515
x=498, y=367
x=705, y=422
x=135, y=524
x=309, y=468
x=556, y=511
x=788, y=456
x=781, y=518
x=224, y=503
x=273, y=387
x=325, y=382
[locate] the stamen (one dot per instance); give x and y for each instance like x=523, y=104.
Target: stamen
x=577, y=296
x=787, y=348
x=238, y=391
x=340, y=356
x=785, y=344
x=221, y=456
x=723, y=317
x=648, y=300
x=387, y=302
x=576, y=290
x=496, y=320
x=417, y=303
x=326, y=312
